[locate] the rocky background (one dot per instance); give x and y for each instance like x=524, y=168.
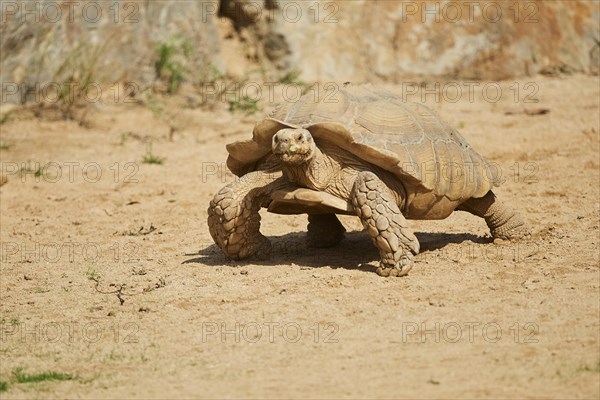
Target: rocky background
x=352, y=40
x=367, y=40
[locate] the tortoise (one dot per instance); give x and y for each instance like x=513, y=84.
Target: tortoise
x=357, y=150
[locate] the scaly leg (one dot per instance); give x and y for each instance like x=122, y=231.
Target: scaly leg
x=233, y=218
x=504, y=222
x=324, y=230
x=380, y=215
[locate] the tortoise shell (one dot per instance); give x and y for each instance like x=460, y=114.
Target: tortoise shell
x=408, y=139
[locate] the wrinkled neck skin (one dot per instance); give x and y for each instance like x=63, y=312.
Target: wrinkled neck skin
x=333, y=171
x=314, y=173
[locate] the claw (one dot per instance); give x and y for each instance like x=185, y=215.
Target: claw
x=393, y=271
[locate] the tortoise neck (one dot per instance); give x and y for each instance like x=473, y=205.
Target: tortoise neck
x=313, y=174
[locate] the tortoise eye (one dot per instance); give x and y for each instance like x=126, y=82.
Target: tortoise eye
x=275, y=139
x=299, y=137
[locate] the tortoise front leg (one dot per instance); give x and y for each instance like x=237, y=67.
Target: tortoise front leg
x=380, y=215
x=233, y=218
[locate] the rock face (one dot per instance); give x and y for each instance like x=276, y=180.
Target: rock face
x=369, y=39
x=350, y=40
x=58, y=41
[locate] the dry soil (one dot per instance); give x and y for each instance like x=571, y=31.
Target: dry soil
x=109, y=273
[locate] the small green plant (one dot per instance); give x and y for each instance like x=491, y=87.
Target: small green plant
x=213, y=74
x=3, y=386
x=5, y=146
x=461, y=124
x=292, y=78
x=123, y=138
x=21, y=377
x=34, y=169
x=116, y=356
x=245, y=103
x=150, y=158
x=4, y=118
x=168, y=67
x=92, y=274
x=27, y=169
x=213, y=87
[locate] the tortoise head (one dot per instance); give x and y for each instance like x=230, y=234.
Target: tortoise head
x=293, y=146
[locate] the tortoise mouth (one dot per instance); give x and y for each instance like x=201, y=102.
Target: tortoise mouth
x=293, y=157
x=293, y=146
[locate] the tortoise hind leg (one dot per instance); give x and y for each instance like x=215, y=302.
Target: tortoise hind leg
x=324, y=230
x=503, y=221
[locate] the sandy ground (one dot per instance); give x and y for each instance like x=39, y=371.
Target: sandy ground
x=473, y=319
